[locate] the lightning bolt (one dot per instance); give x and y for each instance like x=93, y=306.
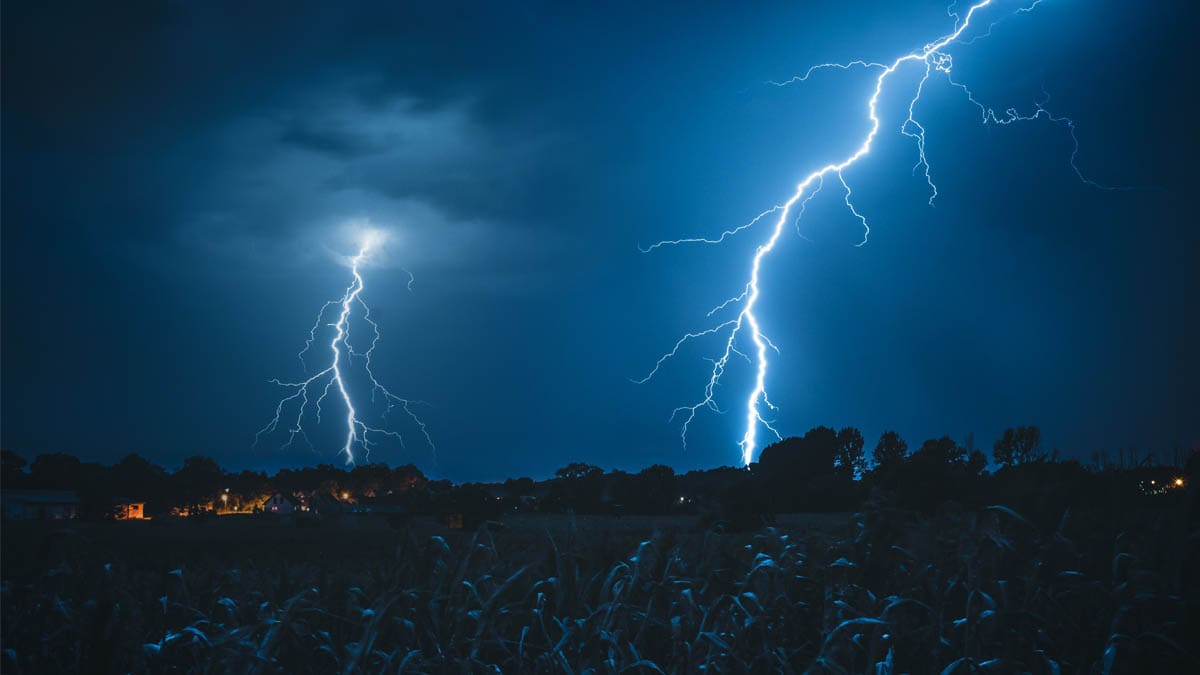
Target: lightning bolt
x=333, y=377
x=936, y=61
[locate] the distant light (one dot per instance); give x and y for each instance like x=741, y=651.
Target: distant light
x=1178, y=482
x=345, y=496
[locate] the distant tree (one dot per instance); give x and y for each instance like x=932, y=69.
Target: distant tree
x=519, y=487
x=11, y=461
x=655, y=490
x=939, y=471
x=12, y=470
x=889, y=450
x=472, y=501
x=580, y=488
x=579, y=470
x=56, y=471
x=310, y=479
x=849, y=457
x=658, y=472
x=802, y=474
x=135, y=477
x=976, y=463
x=940, y=451
x=795, y=458
x=406, y=477
x=198, y=481
x=1018, y=446
x=440, y=487
x=251, y=490
x=368, y=480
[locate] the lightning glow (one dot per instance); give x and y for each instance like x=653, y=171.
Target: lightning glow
x=336, y=375
x=935, y=60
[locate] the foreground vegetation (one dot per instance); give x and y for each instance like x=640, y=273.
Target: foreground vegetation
x=886, y=590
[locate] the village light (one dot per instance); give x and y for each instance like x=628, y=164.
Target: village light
x=1178, y=482
x=345, y=496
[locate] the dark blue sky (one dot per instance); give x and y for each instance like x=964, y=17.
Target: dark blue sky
x=176, y=175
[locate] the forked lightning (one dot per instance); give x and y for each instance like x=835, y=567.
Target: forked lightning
x=336, y=375
x=936, y=61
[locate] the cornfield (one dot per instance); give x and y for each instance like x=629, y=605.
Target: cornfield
x=888, y=592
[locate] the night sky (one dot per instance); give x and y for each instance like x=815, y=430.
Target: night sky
x=177, y=178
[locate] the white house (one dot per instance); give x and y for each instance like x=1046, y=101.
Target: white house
x=279, y=503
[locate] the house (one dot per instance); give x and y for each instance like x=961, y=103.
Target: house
x=39, y=504
x=128, y=509
x=279, y=503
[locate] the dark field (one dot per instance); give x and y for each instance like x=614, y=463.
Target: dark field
x=881, y=592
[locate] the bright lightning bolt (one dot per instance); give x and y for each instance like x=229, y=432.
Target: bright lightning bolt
x=334, y=377
x=936, y=61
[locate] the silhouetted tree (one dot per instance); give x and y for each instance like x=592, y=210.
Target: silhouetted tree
x=579, y=470
x=135, y=477
x=580, y=488
x=473, y=502
x=11, y=461
x=940, y=451
x=976, y=463
x=198, y=481
x=406, y=477
x=795, y=458
x=56, y=471
x=654, y=490
x=309, y=479
x=849, y=457
x=12, y=470
x=519, y=487
x=367, y=480
x=799, y=474
x=889, y=450
x=250, y=489
x=1018, y=446
x=815, y=472
x=937, y=472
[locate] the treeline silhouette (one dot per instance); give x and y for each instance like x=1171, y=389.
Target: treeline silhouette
x=823, y=470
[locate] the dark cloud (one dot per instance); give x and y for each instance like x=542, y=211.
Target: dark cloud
x=337, y=142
